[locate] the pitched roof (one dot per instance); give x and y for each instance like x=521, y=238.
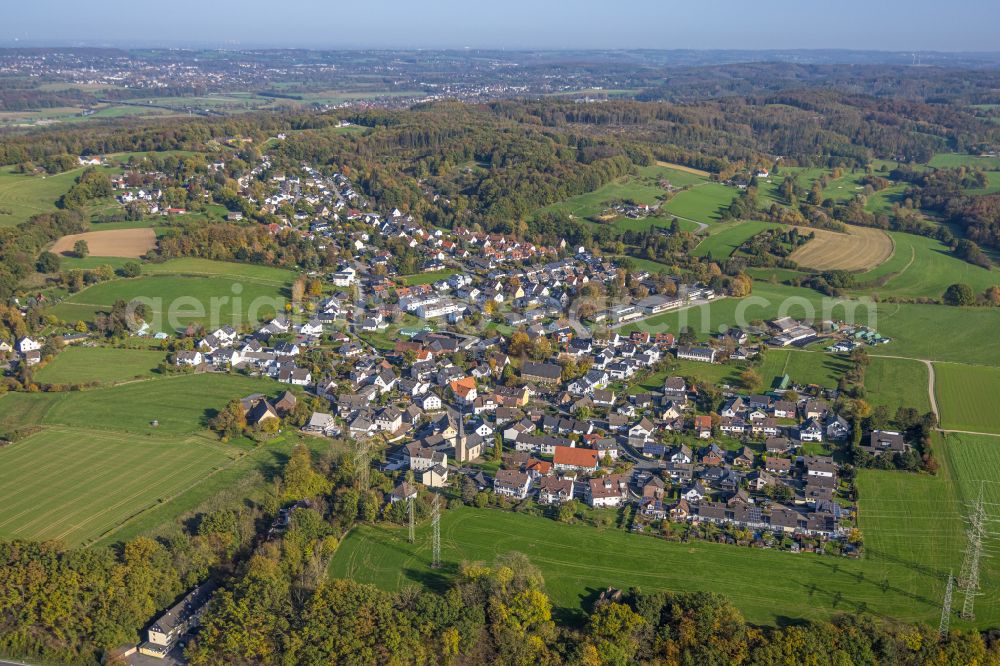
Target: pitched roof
x=568, y=455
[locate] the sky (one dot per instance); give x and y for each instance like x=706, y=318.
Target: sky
x=890, y=25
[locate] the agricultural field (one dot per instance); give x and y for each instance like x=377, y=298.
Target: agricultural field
x=939, y=333
x=182, y=404
x=923, y=267
x=132, y=243
x=180, y=294
x=917, y=331
x=895, y=383
x=860, y=248
x=724, y=238
x=916, y=520
x=766, y=302
x=72, y=485
x=82, y=365
x=93, y=465
x=193, y=266
x=803, y=367
x=967, y=396
x=22, y=196
x=577, y=561
x=702, y=203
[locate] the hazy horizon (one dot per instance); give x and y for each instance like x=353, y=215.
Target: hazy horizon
x=967, y=26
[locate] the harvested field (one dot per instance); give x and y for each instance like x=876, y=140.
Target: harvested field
x=116, y=243
x=859, y=249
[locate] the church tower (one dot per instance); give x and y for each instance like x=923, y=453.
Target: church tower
x=462, y=442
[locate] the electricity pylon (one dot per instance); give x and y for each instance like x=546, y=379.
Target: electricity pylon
x=968, y=579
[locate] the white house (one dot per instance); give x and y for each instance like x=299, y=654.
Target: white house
x=25, y=345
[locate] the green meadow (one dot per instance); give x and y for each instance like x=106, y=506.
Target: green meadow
x=968, y=397
x=923, y=267
x=895, y=383
x=578, y=561
x=803, y=367
x=916, y=521
x=82, y=365
x=96, y=462
x=176, y=300
x=22, y=196
x=723, y=239
x=702, y=203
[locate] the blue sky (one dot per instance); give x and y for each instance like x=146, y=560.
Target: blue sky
x=895, y=25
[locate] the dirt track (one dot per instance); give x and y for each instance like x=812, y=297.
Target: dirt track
x=116, y=243
x=860, y=249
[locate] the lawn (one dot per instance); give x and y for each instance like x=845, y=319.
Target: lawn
x=427, y=278
x=702, y=203
x=803, y=367
x=81, y=365
x=968, y=397
x=714, y=373
x=22, y=196
x=74, y=485
x=921, y=266
x=916, y=521
x=723, y=239
x=579, y=561
x=178, y=300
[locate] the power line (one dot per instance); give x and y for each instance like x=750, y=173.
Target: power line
x=436, y=528
x=410, y=511
x=968, y=580
x=946, y=608
x=363, y=462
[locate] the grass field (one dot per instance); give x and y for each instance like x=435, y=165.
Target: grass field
x=580, y=561
x=97, y=462
x=896, y=383
x=177, y=300
x=71, y=484
x=968, y=397
x=933, y=332
x=803, y=367
x=210, y=268
x=916, y=521
x=81, y=365
x=181, y=403
x=702, y=203
x=858, y=249
x=22, y=196
x=939, y=333
x=715, y=373
x=427, y=278
x=923, y=266
x=723, y=239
